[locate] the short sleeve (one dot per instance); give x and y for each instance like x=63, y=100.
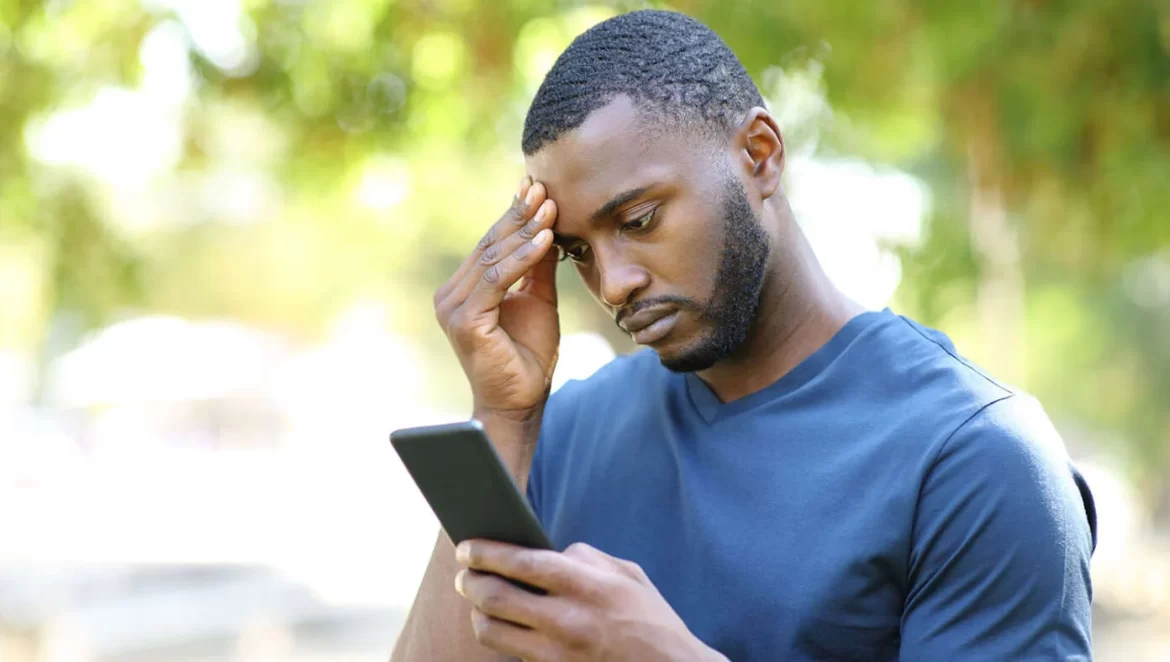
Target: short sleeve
x=999, y=562
x=538, y=471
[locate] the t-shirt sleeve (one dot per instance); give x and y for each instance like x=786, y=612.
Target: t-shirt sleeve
x=999, y=563
x=538, y=471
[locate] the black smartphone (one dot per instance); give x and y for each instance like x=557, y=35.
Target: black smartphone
x=463, y=479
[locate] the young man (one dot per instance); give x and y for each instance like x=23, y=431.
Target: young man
x=784, y=476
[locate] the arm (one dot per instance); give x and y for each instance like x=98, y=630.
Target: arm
x=999, y=564
x=506, y=340
x=439, y=624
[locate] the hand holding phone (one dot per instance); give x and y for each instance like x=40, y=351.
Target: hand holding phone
x=463, y=479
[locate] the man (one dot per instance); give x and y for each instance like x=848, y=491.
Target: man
x=784, y=476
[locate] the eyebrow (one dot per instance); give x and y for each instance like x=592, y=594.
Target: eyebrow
x=616, y=202
x=608, y=209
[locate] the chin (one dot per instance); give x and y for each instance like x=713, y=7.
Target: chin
x=688, y=357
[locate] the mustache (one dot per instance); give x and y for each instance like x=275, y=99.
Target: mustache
x=653, y=302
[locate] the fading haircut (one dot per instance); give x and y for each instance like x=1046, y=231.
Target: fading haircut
x=674, y=69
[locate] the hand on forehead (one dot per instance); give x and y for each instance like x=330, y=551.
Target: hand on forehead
x=611, y=153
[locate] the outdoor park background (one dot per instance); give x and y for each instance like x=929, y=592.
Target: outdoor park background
x=221, y=222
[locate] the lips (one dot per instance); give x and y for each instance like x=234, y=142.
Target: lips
x=650, y=325
x=642, y=319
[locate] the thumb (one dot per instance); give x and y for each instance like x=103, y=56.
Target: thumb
x=541, y=279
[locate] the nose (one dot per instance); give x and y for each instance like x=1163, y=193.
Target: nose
x=620, y=280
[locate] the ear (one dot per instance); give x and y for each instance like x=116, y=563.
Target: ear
x=759, y=147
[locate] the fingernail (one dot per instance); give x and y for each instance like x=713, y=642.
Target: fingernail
x=462, y=554
x=459, y=581
x=530, y=197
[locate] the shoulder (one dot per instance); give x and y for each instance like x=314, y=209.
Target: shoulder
x=925, y=360
x=1008, y=440
x=1010, y=448
x=1001, y=544
x=939, y=408
x=916, y=380
x=968, y=406
x=975, y=441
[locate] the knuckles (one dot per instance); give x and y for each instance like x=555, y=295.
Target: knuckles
x=525, y=565
x=491, y=597
x=487, y=240
x=635, y=571
x=579, y=550
x=490, y=251
x=486, y=632
x=492, y=274
x=490, y=255
x=516, y=212
x=578, y=629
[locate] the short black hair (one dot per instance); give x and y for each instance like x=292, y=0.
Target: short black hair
x=669, y=64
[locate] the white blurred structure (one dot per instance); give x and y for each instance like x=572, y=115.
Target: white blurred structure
x=580, y=355
x=205, y=491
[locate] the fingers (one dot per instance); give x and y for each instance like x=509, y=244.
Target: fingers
x=524, y=206
x=541, y=280
x=542, y=219
x=499, y=598
x=510, y=248
x=591, y=556
x=504, y=247
x=555, y=572
x=509, y=639
x=561, y=619
x=495, y=280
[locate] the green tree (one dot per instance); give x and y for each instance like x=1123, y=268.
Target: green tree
x=367, y=140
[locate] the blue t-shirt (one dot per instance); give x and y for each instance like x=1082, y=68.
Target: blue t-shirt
x=883, y=500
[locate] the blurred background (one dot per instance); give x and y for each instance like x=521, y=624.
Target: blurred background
x=221, y=222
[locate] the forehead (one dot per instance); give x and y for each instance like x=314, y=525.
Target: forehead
x=616, y=149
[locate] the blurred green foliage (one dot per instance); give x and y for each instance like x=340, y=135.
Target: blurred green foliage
x=356, y=148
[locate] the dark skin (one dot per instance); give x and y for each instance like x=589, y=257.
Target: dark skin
x=629, y=201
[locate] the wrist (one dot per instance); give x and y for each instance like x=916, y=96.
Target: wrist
x=514, y=434
x=518, y=418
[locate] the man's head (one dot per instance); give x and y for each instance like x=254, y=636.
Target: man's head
x=653, y=141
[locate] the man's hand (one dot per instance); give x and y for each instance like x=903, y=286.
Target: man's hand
x=597, y=608
x=506, y=339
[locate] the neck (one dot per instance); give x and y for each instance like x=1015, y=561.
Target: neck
x=800, y=310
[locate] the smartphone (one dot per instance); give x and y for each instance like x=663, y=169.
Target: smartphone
x=461, y=476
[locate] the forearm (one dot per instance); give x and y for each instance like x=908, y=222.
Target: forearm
x=439, y=625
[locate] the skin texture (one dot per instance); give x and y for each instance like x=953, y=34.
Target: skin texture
x=721, y=253
x=598, y=608
x=686, y=180
x=627, y=252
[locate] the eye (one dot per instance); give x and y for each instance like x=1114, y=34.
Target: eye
x=577, y=252
x=641, y=223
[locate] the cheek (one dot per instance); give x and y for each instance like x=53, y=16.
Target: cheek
x=691, y=254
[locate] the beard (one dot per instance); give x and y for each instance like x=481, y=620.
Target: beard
x=729, y=314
